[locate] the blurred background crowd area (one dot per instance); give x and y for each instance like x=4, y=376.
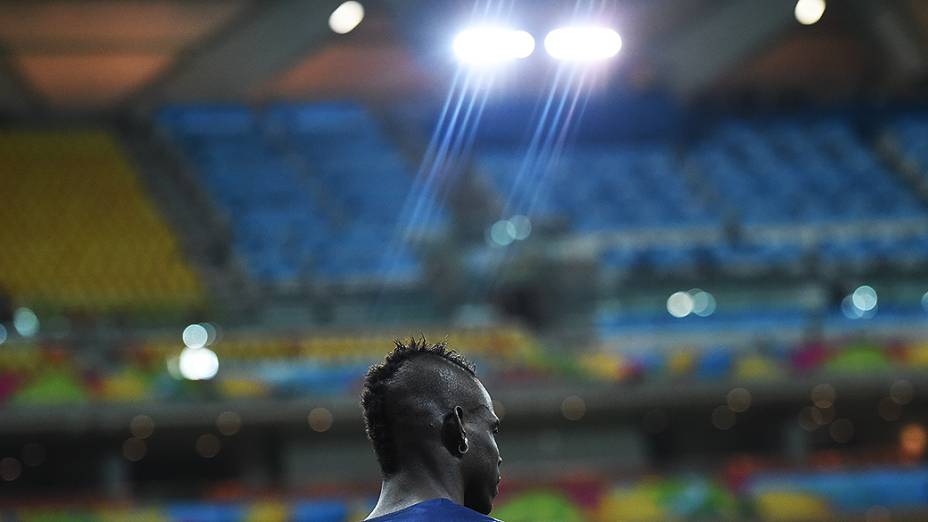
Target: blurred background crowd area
x=694, y=276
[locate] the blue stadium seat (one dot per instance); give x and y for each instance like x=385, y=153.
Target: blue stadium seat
x=911, y=133
x=597, y=188
x=792, y=171
x=312, y=191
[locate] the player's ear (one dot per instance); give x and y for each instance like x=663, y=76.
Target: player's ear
x=454, y=437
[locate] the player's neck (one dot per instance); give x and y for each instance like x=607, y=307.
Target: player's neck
x=405, y=489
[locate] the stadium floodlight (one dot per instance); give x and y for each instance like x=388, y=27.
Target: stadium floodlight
x=492, y=45
x=809, y=11
x=583, y=43
x=346, y=17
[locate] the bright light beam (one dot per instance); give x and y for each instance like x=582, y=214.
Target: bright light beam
x=583, y=43
x=492, y=45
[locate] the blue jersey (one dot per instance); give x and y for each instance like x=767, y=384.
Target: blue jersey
x=435, y=509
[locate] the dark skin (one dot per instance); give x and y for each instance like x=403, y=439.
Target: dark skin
x=445, y=437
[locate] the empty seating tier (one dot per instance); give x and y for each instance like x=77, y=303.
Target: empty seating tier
x=78, y=231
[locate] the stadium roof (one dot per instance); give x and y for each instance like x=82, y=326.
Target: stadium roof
x=92, y=55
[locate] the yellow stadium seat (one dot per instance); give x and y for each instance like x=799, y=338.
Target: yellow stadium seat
x=79, y=231
x=794, y=506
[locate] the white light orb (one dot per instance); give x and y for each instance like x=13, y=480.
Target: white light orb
x=212, y=333
x=25, y=322
x=195, y=336
x=521, y=226
x=346, y=17
x=809, y=11
x=864, y=298
x=703, y=302
x=583, y=43
x=492, y=45
x=173, y=366
x=850, y=310
x=680, y=304
x=198, y=364
x=501, y=233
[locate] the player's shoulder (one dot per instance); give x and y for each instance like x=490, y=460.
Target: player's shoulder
x=435, y=509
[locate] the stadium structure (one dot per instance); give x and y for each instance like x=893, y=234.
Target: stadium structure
x=686, y=243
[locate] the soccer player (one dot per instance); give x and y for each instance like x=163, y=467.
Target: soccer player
x=433, y=429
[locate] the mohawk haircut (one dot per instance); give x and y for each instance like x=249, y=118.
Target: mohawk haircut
x=377, y=384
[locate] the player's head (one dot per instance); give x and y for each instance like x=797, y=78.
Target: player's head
x=424, y=406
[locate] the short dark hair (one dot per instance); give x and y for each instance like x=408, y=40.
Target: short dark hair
x=377, y=385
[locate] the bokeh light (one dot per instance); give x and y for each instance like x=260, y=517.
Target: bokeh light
x=229, y=423
x=680, y=304
x=808, y=12
x=823, y=416
x=195, y=336
x=198, y=364
x=141, y=426
x=346, y=17
x=723, y=418
x=134, y=449
x=212, y=333
x=521, y=227
x=864, y=298
x=703, y=302
x=172, y=364
x=320, y=419
x=25, y=322
x=502, y=233
x=573, y=408
x=10, y=469
x=807, y=419
x=912, y=441
x=208, y=445
x=901, y=392
x=739, y=400
x=823, y=395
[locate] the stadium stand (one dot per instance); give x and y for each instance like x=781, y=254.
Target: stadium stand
x=807, y=172
x=762, y=492
x=797, y=171
x=599, y=188
x=911, y=134
x=812, y=179
x=79, y=231
x=331, y=365
x=331, y=190
x=689, y=261
x=256, y=365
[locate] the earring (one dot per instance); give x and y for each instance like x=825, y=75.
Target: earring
x=462, y=447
